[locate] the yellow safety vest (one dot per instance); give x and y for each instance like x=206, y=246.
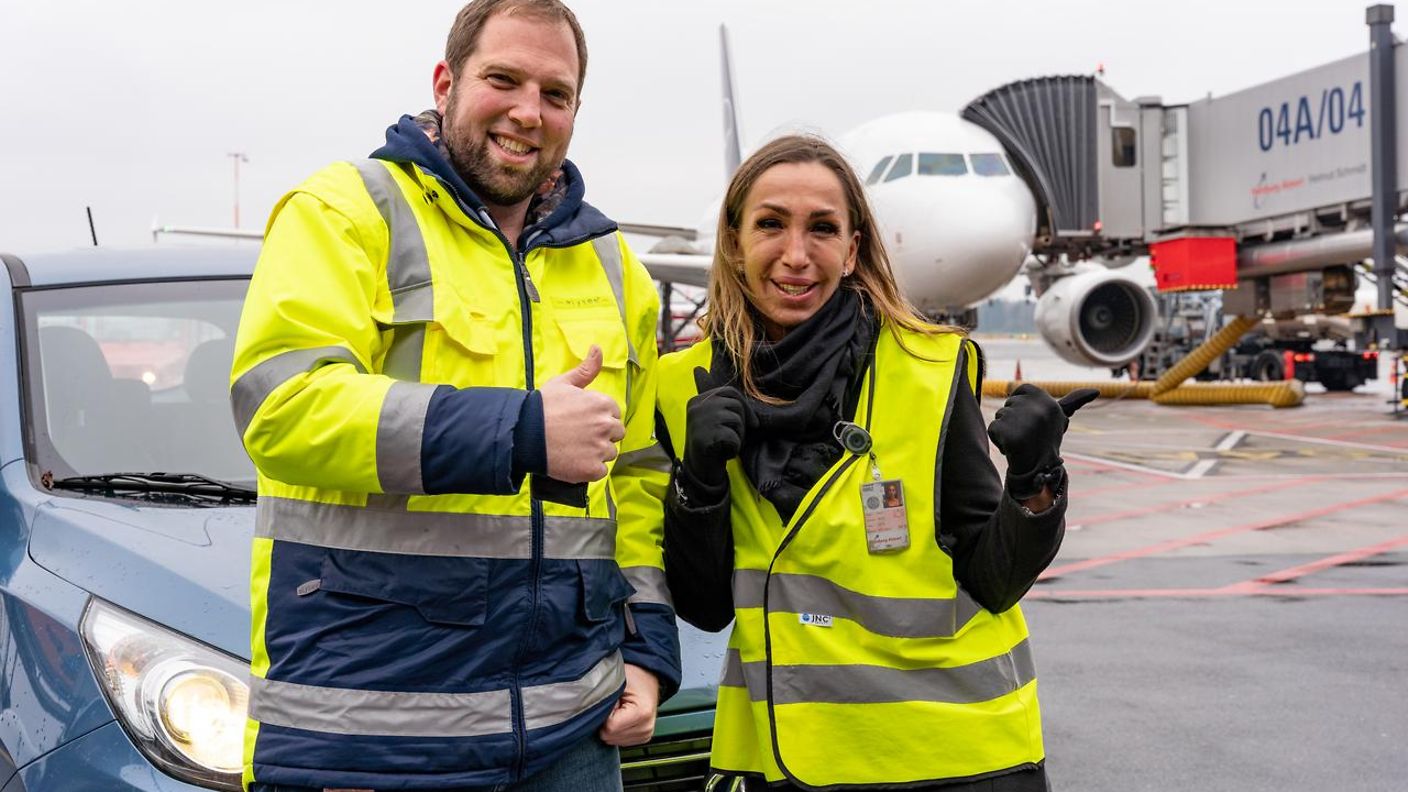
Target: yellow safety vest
x=847, y=668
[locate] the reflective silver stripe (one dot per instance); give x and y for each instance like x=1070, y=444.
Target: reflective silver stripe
x=377, y=712
x=753, y=676
x=431, y=533
x=649, y=583
x=399, y=431
x=865, y=684
x=407, y=265
x=551, y=704
x=255, y=385
x=899, y=617
x=403, y=359
x=859, y=684
x=652, y=457
x=608, y=249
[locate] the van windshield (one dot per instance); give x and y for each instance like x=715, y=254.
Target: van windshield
x=133, y=377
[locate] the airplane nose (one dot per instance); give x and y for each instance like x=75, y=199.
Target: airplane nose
x=964, y=243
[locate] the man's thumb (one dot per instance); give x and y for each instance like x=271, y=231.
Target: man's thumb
x=586, y=371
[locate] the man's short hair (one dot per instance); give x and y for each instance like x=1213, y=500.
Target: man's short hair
x=470, y=21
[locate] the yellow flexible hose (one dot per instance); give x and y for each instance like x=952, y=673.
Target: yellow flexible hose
x=1206, y=352
x=1286, y=393
x=1109, y=389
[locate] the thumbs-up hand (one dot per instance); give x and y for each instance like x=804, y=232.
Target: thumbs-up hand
x=582, y=426
x=1027, y=429
x=716, y=421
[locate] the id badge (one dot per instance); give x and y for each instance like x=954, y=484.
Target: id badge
x=886, y=526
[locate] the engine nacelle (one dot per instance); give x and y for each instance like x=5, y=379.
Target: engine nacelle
x=1097, y=318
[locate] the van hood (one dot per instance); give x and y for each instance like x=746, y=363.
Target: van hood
x=188, y=569
x=184, y=568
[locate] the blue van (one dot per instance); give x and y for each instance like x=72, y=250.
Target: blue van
x=126, y=515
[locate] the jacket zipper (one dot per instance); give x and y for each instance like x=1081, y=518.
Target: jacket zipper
x=527, y=295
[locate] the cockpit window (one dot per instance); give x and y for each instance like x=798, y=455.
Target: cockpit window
x=989, y=165
x=879, y=170
x=942, y=165
x=904, y=165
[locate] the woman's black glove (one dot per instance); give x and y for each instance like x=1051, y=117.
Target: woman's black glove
x=716, y=421
x=1027, y=429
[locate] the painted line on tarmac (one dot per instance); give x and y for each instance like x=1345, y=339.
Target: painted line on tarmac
x=1339, y=559
x=1210, y=536
x=1330, y=441
x=1209, y=593
x=1129, y=466
x=1124, y=487
x=1204, y=499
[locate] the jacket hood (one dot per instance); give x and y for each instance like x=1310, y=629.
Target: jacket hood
x=571, y=221
x=185, y=568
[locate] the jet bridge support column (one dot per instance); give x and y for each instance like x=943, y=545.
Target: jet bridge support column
x=1384, y=163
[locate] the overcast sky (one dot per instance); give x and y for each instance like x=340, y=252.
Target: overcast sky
x=133, y=107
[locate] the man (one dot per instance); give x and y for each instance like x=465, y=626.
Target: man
x=457, y=582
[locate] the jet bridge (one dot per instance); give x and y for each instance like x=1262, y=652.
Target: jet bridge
x=1277, y=193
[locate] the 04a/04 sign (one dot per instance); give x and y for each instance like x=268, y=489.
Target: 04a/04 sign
x=1336, y=109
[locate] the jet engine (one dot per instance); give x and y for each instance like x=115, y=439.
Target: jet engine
x=1099, y=317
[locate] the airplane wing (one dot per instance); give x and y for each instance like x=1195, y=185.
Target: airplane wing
x=683, y=268
x=652, y=230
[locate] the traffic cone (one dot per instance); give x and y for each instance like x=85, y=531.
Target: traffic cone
x=1017, y=375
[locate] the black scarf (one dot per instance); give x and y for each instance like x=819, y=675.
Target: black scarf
x=816, y=369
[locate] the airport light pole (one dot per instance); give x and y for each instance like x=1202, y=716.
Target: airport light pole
x=238, y=157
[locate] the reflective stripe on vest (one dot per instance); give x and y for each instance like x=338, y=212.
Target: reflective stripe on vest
x=436, y=715
x=450, y=534
x=984, y=680
x=901, y=617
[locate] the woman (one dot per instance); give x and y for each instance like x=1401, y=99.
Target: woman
x=831, y=471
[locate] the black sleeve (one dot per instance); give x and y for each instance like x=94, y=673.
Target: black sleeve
x=998, y=546
x=698, y=551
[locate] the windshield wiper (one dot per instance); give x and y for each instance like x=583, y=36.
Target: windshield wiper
x=192, y=484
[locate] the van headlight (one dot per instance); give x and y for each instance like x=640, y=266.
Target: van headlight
x=183, y=703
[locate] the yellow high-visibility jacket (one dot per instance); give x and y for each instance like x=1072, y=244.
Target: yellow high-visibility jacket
x=423, y=617
x=848, y=669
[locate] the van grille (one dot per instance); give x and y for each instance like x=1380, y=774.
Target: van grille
x=679, y=765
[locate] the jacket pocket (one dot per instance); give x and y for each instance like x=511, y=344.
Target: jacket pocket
x=582, y=329
x=451, y=591
x=604, y=588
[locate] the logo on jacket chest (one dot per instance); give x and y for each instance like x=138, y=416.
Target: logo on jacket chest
x=588, y=301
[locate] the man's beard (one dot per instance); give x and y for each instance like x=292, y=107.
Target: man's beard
x=491, y=182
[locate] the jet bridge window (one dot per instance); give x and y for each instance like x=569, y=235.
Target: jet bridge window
x=942, y=165
x=1122, y=145
x=904, y=165
x=989, y=165
x=879, y=170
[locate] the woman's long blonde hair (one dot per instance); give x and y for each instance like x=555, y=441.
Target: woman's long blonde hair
x=731, y=317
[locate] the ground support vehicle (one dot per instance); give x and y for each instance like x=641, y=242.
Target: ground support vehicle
x=1310, y=352
x=126, y=519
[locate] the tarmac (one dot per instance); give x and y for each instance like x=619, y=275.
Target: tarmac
x=1229, y=609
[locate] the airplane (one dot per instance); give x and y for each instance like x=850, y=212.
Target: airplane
x=958, y=221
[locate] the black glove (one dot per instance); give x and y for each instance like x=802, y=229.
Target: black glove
x=1027, y=429
x=716, y=420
